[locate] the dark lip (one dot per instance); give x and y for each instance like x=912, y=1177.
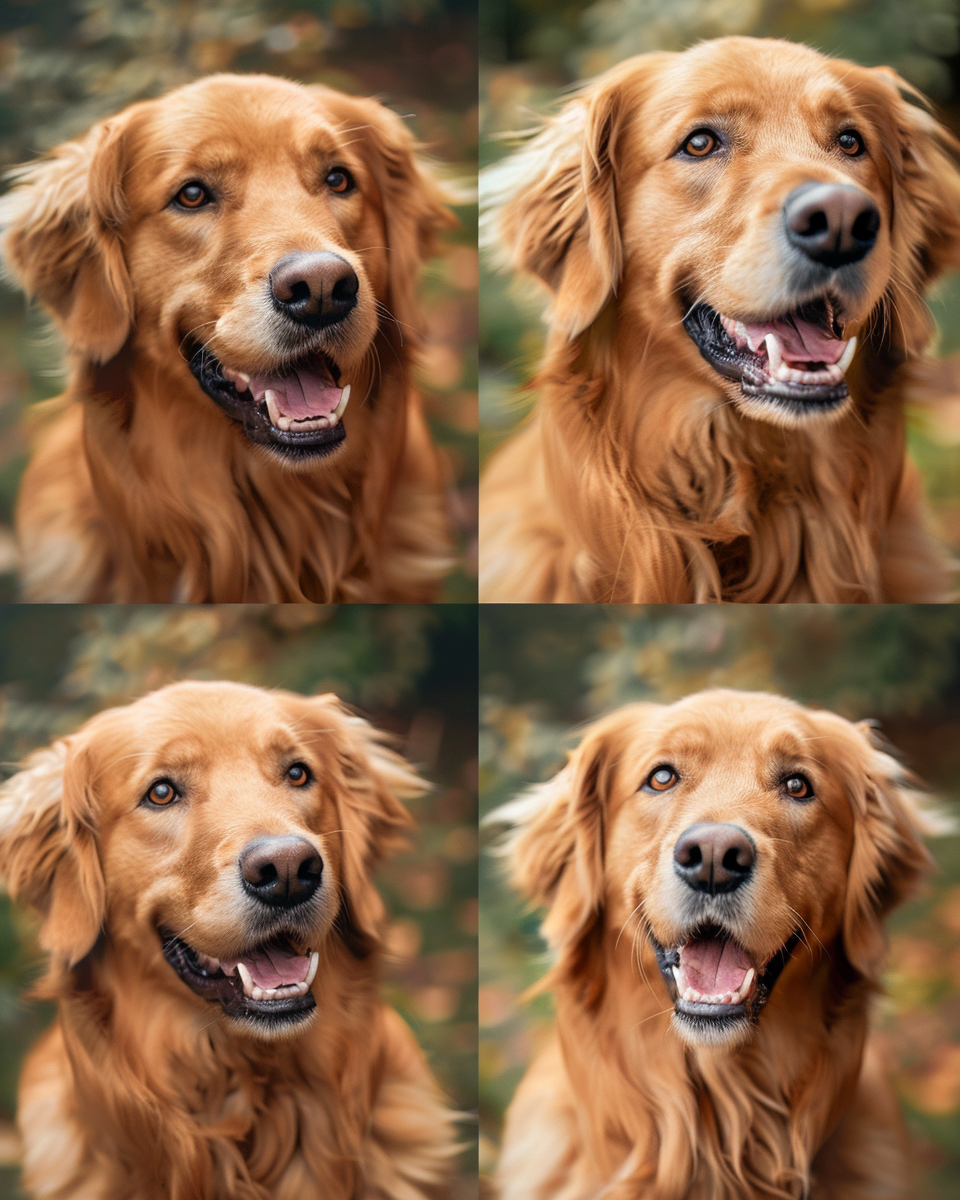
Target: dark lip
x=252, y=415
x=718, y=1015
x=702, y=324
x=227, y=990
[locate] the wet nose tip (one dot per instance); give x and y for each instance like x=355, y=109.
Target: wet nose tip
x=281, y=871
x=832, y=224
x=314, y=285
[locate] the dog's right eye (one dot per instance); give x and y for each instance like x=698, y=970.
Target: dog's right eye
x=161, y=793
x=662, y=779
x=193, y=195
x=701, y=143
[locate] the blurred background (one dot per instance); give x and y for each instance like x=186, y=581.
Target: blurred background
x=544, y=669
x=409, y=669
x=533, y=51
x=64, y=64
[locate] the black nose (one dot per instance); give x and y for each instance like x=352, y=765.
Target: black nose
x=281, y=871
x=714, y=858
x=834, y=224
x=314, y=289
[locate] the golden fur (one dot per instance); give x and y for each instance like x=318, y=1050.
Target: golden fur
x=643, y=474
x=629, y=1101
x=143, y=490
x=145, y=1090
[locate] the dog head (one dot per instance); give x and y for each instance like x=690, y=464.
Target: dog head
x=773, y=203
x=722, y=833
x=219, y=837
x=258, y=229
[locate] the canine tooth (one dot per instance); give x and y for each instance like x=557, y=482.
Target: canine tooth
x=773, y=352
x=344, y=397
x=747, y=981
x=246, y=979
x=314, y=960
x=676, y=975
x=270, y=398
x=846, y=358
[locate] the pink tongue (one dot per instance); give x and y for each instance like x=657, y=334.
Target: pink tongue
x=299, y=395
x=270, y=968
x=800, y=341
x=712, y=966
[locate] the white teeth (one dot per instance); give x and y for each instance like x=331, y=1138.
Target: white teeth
x=247, y=980
x=314, y=960
x=270, y=398
x=676, y=976
x=846, y=358
x=747, y=981
x=256, y=994
x=239, y=379
x=773, y=353
x=302, y=988
x=344, y=398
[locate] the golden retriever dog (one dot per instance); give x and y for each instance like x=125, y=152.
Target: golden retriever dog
x=737, y=241
x=202, y=861
x=716, y=872
x=230, y=265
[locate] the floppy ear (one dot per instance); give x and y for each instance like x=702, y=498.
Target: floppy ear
x=552, y=206
x=414, y=202
x=372, y=782
x=888, y=857
x=62, y=239
x=923, y=156
x=555, y=848
x=48, y=851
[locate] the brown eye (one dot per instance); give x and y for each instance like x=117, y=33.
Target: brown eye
x=339, y=180
x=298, y=774
x=162, y=792
x=662, y=779
x=851, y=143
x=798, y=787
x=193, y=195
x=701, y=143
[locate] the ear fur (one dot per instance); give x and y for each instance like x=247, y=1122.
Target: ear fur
x=62, y=243
x=923, y=157
x=555, y=848
x=888, y=858
x=415, y=204
x=372, y=782
x=48, y=851
x=552, y=206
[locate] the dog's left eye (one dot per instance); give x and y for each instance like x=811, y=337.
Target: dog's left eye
x=851, y=143
x=193, y=195
x=340, y=180
x=662, y=779
x=798, y=787
x=701, y=143
x=162, y=793
x=298, y=774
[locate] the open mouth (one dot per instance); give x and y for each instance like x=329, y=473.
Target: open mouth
x=796, y=361
x=716, y=987
x=296, y=411
x=269, y=984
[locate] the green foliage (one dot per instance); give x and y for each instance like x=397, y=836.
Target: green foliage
x=411, y=669
x=547, y=669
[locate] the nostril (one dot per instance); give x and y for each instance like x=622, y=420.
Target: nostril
x=299, y=293
x=866, y=227
x=731, y=862
x=345, y=289
x=268, y=874
x=816, y=223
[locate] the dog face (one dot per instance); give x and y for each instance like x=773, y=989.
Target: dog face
x=772, y=203
x=256, y=228
x=218, y=837
x=728, y=830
